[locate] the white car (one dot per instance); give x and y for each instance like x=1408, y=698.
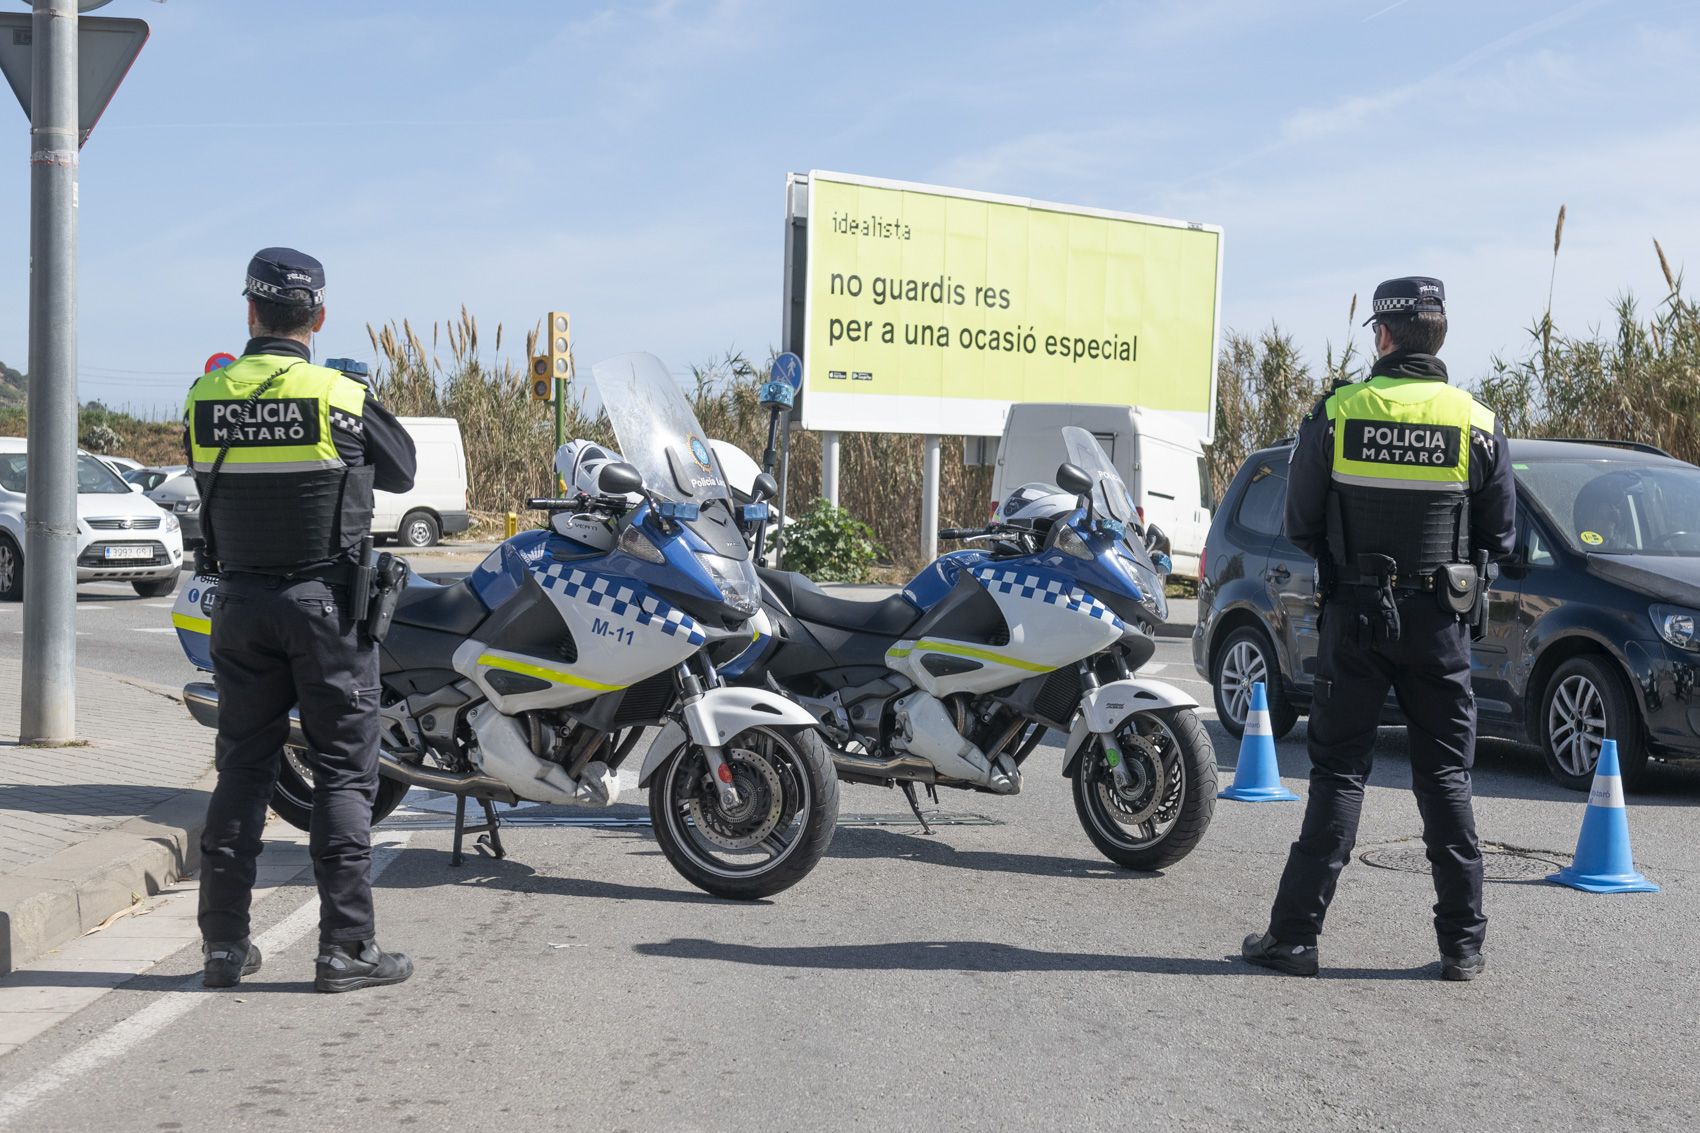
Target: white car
x=121, y=534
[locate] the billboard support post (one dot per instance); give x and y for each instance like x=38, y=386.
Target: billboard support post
x=48, y=708
x=829, y=466
x=930, y=497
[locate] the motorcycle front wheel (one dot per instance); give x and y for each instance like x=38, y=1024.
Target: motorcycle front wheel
x=292, y=795
x=1157, y=815
x=786, y=813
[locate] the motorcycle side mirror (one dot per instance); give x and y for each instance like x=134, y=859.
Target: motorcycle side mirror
x=1157, y=541
x=1073, y=478
x=764, y=487
x=619, y=479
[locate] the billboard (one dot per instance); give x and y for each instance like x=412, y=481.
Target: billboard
x=930, y=310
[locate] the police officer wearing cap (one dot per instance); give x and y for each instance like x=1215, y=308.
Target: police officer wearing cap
x=1401, y=487
x=286, y=455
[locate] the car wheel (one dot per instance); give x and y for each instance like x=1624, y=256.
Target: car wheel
x=1586, y=702
x=11, y=570
x=155, y=587
x=418, y=529
x=1245, y=658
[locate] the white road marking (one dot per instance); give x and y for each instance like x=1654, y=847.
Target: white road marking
x=1148, y=669
x=160, y=605
x=170, y=1007
x=153, y=629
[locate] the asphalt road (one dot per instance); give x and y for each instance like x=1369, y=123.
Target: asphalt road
x=996, y=975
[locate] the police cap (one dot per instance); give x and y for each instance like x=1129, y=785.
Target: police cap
x=283, y=275
x=1406, y=296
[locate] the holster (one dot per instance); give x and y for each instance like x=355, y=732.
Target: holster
x=390, y=579
x=1385, y=571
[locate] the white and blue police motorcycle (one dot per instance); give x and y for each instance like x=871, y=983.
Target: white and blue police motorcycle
x=1041, y=625
x=533, y=678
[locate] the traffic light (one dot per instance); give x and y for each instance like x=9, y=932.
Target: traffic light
x=542, y=384
x=556, y=363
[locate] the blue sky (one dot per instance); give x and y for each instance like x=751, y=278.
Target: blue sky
x=627, y=161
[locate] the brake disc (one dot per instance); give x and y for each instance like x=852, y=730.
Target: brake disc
x=760, y=803
x=1143, y=797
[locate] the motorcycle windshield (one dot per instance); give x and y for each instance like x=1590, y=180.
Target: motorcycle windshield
x=658, y=433
x=1109, y=494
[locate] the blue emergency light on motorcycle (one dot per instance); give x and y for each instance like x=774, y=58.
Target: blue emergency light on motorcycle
x=674, y=512
x=754, y=513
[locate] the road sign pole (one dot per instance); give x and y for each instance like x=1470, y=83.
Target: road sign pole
x=48, y=709
x=929, y=498
x=829, y=466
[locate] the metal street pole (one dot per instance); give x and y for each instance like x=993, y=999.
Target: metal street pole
x=50, y=535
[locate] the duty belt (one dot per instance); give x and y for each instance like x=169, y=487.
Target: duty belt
x=334, y=574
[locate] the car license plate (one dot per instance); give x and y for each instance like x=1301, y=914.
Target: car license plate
x=137, y=552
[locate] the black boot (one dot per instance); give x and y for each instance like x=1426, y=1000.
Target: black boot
x=1290, y=959
x=357, y=964
x=227, y=961
x=1462, y=967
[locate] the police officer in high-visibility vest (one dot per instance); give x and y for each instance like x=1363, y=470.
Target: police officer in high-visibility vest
x=1401, y=487
x=286, y=455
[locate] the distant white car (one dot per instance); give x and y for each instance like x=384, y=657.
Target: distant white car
x=121, y=535
x=123, y=464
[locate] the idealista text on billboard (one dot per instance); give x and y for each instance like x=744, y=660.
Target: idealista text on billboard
x=931, y=310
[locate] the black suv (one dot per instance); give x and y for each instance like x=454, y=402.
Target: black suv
x=1592, y=628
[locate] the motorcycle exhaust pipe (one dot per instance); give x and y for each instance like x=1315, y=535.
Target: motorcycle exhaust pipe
x=911, y=767
x=201, y=699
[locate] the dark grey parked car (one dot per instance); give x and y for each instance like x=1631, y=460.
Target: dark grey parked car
x=1592, y=628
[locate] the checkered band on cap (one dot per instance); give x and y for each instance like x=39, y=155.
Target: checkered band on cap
x=620, y=599
x=1395, y=306
x=1049, y=589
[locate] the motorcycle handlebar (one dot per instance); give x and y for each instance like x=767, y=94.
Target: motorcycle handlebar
x=962, y=532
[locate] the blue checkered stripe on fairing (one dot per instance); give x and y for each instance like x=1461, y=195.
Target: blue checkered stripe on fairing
x=1051, y=590
x=618, y=598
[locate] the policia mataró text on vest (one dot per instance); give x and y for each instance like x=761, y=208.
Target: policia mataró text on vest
x=287, y=455
x=1401, y=488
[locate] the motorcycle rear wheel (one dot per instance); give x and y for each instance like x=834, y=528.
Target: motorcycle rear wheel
x=292, y=795
x=786, y=818
x=1135, y=829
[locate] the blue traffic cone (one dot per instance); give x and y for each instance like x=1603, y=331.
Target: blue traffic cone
x=1257, y=777
x=1602, y=863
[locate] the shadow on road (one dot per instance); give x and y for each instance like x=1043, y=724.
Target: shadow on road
x=860, y=842
x=429, y=868
x=982, y=956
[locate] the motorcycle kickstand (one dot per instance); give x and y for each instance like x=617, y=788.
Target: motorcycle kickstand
x=915, y=805
x=489, y=831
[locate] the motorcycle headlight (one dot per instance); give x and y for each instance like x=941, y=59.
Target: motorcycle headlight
x=1676, y=625
x=638, y=545
x=1070, y=543
x=736, y=578
x=170, y=523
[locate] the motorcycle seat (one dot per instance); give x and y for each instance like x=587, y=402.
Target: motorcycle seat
x=429, y=605
x=888, y=617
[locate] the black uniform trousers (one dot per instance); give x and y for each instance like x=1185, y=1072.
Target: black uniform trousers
x=1429, y=668
x=277, y=644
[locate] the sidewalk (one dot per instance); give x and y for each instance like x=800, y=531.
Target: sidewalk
x=91, y=828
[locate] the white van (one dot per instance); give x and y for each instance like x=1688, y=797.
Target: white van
x=437, y=505
x=1159, y=457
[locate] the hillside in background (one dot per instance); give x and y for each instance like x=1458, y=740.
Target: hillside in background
x=12, y=386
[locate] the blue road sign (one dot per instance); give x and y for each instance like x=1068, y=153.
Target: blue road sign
x=788, y=368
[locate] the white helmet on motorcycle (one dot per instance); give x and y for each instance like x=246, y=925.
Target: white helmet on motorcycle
x=580, y=464
x=1036, y=506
